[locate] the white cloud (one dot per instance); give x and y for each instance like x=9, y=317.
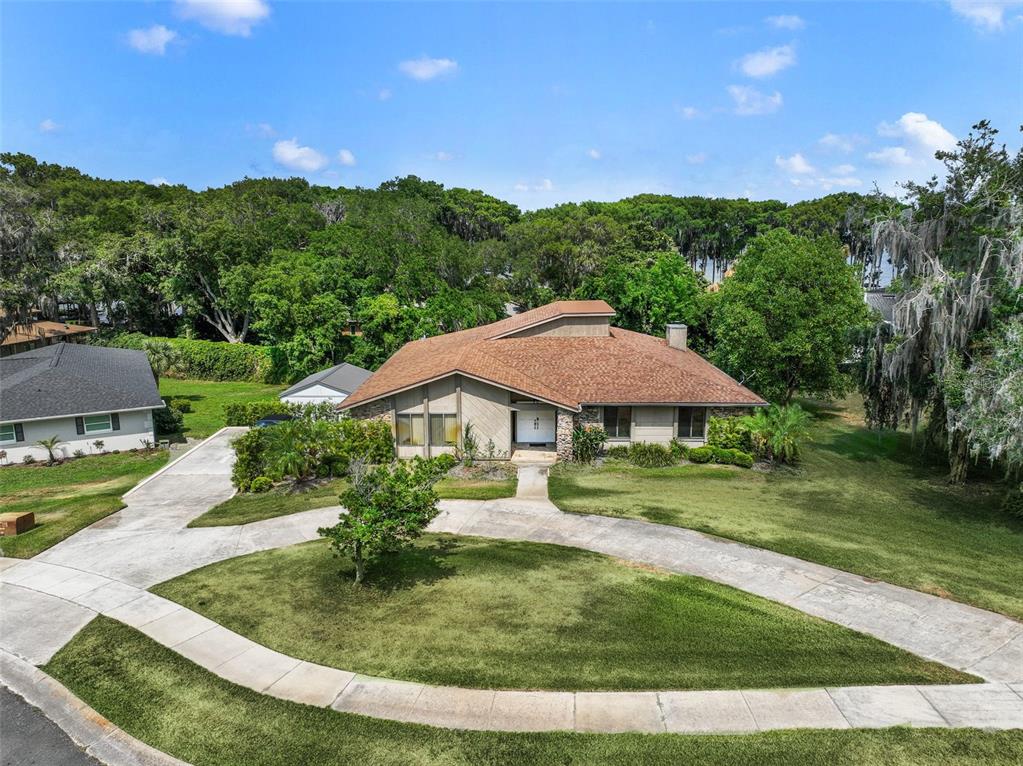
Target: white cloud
x=48, y=126
x=230, y=17
x=159, y=181
x=928, y=134
x=795, y=164
x=688, y=112
x=843, y=170
x=983, y=14
x=153, y=40
x=785, y=22
x=838, y=142
x=262, y=129
x=426, y=68
x=768, y=61
x=384, y=94
x=892, y=156
x=749, y=101
x=442, y=156
x=546, y=185
x=594, y=154
x=345, y=157
x=840, y=181
x=306, y=159
x=696, y=159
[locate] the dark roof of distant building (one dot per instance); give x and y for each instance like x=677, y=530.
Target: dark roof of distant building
x=882, y=302
x=74, y=379
x=343, y=378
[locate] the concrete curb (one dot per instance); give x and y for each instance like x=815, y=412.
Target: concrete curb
x=88, y=729
x=177, y=460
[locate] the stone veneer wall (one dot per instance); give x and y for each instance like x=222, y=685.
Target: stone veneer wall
x=590, y=416
x=565, y=426
x=375, y=410
x=729, y=412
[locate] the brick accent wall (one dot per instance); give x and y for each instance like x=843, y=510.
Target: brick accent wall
x=565, y=426
x=375, y=410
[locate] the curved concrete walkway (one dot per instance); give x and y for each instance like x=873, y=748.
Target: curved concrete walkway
x=105, y=569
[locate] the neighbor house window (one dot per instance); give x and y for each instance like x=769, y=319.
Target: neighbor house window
x=9, y=433
x=97, y=424
x=617, y=422
x=691, y=422
x=410, y=431
x=443, y=430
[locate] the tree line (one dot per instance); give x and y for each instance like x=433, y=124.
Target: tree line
x=771, y=292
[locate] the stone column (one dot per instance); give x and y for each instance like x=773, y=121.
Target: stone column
x=565, y=426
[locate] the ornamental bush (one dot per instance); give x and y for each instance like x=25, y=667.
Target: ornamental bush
x=180, y=404
x=249, y=413
x=701, y=455
x=729, y=433
x=586, y=443
x=679, y=450
x=618, y=452
x=261, y=484
x=650, y=455
x=168, y=420
x=212, y=360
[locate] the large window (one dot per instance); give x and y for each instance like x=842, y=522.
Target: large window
x=443, y=430
x=617, y=422
x=97, y=424
x=8, y=433
x=410, y=431
x=692, y=422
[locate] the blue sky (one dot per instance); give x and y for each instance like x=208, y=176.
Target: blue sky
x=534, y=103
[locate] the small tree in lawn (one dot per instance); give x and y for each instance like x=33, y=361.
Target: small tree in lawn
x=388, y=507
x=50, y=445
x=163, y=357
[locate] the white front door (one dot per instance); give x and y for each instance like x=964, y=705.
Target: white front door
x=535, y=426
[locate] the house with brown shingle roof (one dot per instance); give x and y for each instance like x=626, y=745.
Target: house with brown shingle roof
x=528, y=381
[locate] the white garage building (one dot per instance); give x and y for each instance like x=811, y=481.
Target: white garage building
x=334, y=385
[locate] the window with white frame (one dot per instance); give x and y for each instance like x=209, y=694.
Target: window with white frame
x=692, y=422
x=8, y=433
x=97, y=424
x=410, y=431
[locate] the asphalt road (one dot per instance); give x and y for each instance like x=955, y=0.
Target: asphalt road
x=29, y=738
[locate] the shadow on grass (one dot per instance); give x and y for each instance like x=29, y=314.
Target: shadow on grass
x=420, y=565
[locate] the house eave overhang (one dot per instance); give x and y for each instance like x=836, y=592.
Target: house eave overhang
x=159, y=406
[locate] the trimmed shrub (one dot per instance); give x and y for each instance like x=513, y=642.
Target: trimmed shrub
x=28, y=460
x=168, y=420
x=650, y=455
x=619, y=452
x=180, y=404
x=213, y=360
x=586, y=443
x=701, y=455
x=445, y=462
x=729, y=433
x=249, y=413
x=261, y=484
x=734, y=457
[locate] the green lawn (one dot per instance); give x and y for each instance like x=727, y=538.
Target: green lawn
x=69, y=496
x=208, y=398
x=248, y=507
x=450, y=488
x=243, y=508
x=860, y=502
x=472, y=612
x=176, y=706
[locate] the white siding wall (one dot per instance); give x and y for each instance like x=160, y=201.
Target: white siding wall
x=567, y=327
x=653, y=424
x=315, y=395
x=135, y=426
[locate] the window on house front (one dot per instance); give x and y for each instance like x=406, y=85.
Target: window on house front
x=410, y=431
x=8, y=433
x=617, y=422
x=443, y=430
x=692, y=422
x=97, y=423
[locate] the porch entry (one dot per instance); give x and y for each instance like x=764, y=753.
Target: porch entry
x=535, y=425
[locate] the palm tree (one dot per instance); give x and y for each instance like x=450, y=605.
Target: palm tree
x=50, y=445
x=163, y=357
x=777, y=432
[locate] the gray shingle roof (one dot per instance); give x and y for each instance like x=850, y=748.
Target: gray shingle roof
x=70, y=379
x=881, y=302
x=342, y=377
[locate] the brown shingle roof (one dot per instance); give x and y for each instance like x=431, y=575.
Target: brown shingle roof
x=33, y=331
x=623, y=367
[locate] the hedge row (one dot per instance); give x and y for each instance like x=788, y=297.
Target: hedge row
x=250, y=413
x=213, y=360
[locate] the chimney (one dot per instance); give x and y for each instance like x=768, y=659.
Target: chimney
x=676, y=335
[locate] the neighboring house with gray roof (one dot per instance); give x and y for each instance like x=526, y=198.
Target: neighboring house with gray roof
x=334, y=385
x=79, y=394
x=882, y=302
